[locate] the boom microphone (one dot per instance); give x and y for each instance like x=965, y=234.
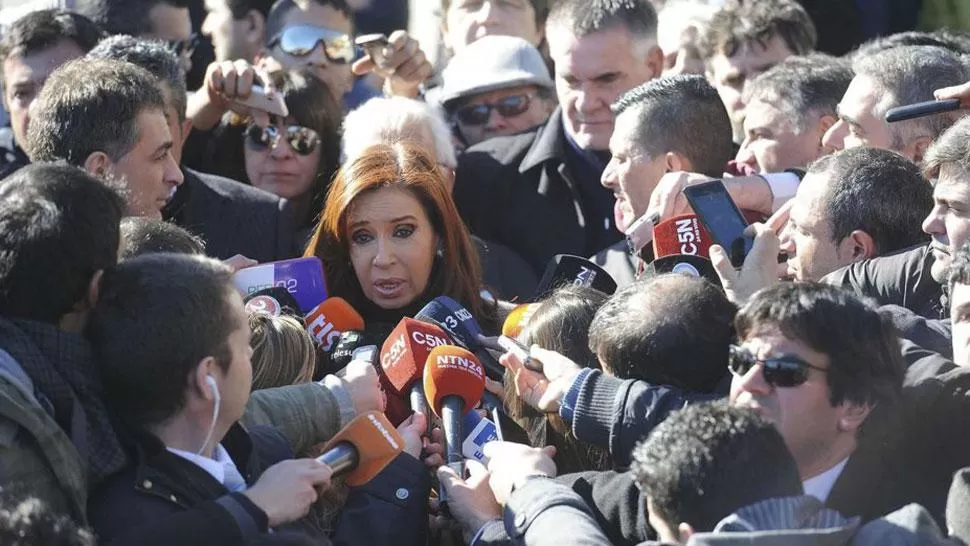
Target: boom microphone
x=404, y=355
x=453, y=383
x=331, y=318
x=363, y=448
x=464, y=330
x=569, y=270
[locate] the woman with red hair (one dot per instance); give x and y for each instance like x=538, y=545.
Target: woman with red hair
x=391, y=240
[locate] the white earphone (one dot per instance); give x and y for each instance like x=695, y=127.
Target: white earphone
x=211, y=381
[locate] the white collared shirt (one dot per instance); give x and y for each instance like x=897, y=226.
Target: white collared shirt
x=821, y=486
x=220, y=466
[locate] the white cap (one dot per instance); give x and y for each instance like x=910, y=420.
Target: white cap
x=493, y=62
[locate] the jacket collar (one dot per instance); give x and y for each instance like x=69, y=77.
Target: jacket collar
x=549, y=144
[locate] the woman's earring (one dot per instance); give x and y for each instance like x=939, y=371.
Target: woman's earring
x=439, y=250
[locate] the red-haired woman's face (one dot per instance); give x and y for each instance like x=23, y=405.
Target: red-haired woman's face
x=392, y=246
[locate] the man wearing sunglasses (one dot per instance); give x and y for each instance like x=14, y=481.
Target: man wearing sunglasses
x=498, y=85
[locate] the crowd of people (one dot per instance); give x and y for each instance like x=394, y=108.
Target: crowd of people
x=522, y=332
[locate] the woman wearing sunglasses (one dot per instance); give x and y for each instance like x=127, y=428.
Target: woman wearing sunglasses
x=391, y=240
x=296, y=157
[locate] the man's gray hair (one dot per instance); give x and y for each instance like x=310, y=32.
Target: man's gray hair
x=584, y=17
x=911, y=74
x=802, y=88
x=397, y=119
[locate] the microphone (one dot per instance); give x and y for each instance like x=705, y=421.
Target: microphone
x=518, y=319
x=404, y=355
x=681, y=245
x=453, y=383
x=464, y=330
x=274, y=300
x=493, y=405
x=566, y=269
x=478, y=432
x=301, y=277
x=343, y=349
x=363, y=448
x=331, y=318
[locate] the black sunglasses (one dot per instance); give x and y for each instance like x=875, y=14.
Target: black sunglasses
x=302, y=140
x=507, y=107
x=184, y=47
x=301, y=40
x=783, y=371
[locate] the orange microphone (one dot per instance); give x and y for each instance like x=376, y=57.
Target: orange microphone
x=329, y=319
x=454, y=381
x=363, y=448
x=404, y=355
x=518, y=319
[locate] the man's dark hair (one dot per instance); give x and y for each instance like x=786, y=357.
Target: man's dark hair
x=148, y=235
x=954, y=41
x=911, y=74
x=32, y=522
x=58, y=227
x=241, y=8
x=707, y=461
x=40, y=30
x=129, y=17
x=90, y=105
x=155, y=57
x=865, y=364
x=157, y=317
x=865, y=191
x=802, y=88
x=539, y=7
x=281, y=8
x=742, y=22
x=668, y=329
x=584, y=17
x=682, y=114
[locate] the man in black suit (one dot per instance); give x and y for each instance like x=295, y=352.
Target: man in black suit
x=232, y=218
x=539, y=193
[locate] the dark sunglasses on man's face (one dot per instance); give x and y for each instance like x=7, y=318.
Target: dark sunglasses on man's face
x=301, y=40
x=507, y=107
x=783, y=371
x=302, y=140
x=184, y=47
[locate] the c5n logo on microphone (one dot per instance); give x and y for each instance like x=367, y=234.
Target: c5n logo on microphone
x=688, y=234
x=585, y=277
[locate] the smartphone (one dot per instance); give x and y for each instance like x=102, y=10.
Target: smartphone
x=512, y=345
x=640, y=232
x=721, y=218
x=920, y=109
x=269, y=102
x=374, y=45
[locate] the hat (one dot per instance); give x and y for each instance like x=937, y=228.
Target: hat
x=490, y=63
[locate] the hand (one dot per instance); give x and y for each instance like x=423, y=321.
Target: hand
x=667, y=199
x=239, y=261
x=360, y=379
x=760, y=268
x=413, y=431
x=961, y=92
x=470, y=501
x=405, y=66
x=229, y=82
x=509, y=464
x=543, y=391
x=287, y=489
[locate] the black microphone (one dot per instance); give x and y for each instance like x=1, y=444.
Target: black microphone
x=566, y=270
x=464, y=330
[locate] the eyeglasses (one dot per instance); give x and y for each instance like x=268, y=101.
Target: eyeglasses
x=184, y=48
x=783, y=371
x=302, y=140
x=507, y=107
x=301, y=40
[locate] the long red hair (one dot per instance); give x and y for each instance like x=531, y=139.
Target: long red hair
x=458, y=273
